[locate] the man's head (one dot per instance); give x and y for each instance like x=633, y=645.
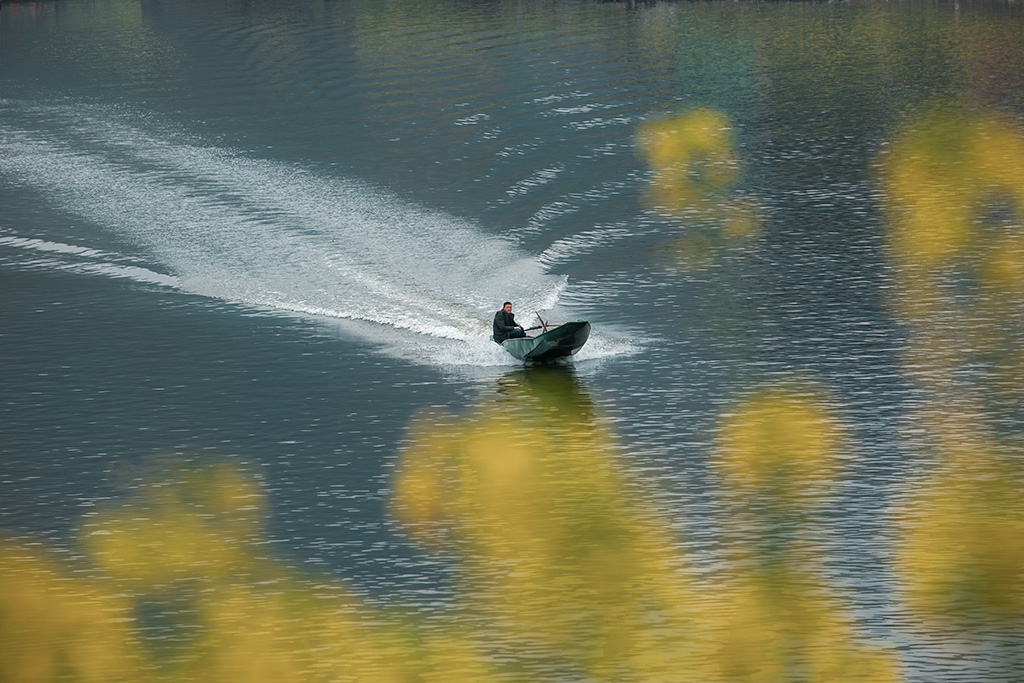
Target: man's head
x=507, y=306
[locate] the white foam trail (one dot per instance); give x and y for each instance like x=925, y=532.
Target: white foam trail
x=583, y=243
x=266, y=233
x=84, y=260
x=43, y=245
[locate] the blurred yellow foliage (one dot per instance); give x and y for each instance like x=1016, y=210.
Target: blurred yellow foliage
x=188, y=544
x=560, y=555
x=192, y=523
x=567, y=571
x=692, y=157
x=954, y=193
x=58, y=626
x=775, y=619
x=785, y=627
x=963, y=552
x=563, y=556
x=779, y=446
x=954, y=198
x=953, y=181
x=286, y=630
x=695, y=165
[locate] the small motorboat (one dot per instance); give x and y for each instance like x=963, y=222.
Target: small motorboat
x=557, y=342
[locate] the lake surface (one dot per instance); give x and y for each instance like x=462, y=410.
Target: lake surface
x=250, y=252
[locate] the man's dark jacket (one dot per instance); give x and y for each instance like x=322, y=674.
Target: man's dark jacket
x=504, y=324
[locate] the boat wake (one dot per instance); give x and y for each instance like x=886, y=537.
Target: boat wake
x=30, y=253
x=219, y=223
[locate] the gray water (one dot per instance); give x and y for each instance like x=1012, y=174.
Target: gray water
x=273, y=234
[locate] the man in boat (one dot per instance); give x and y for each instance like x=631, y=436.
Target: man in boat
x=505, y=325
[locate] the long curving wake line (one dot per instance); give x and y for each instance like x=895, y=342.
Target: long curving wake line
x=259, y=232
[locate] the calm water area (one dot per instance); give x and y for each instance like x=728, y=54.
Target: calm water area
x=262, y=243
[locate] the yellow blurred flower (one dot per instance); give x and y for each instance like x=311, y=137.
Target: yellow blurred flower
x=195, y=522
x=692, y=157
x=786, y=628
x=55, y=626
x=695, y=166
x=560, y=554
x=568, y=571
x=948, y=177
x=962, y=556
x=285, y=630
x=778, y=447
x=775, y=617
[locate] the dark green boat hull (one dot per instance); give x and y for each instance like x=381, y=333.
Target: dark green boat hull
x=559, y=342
